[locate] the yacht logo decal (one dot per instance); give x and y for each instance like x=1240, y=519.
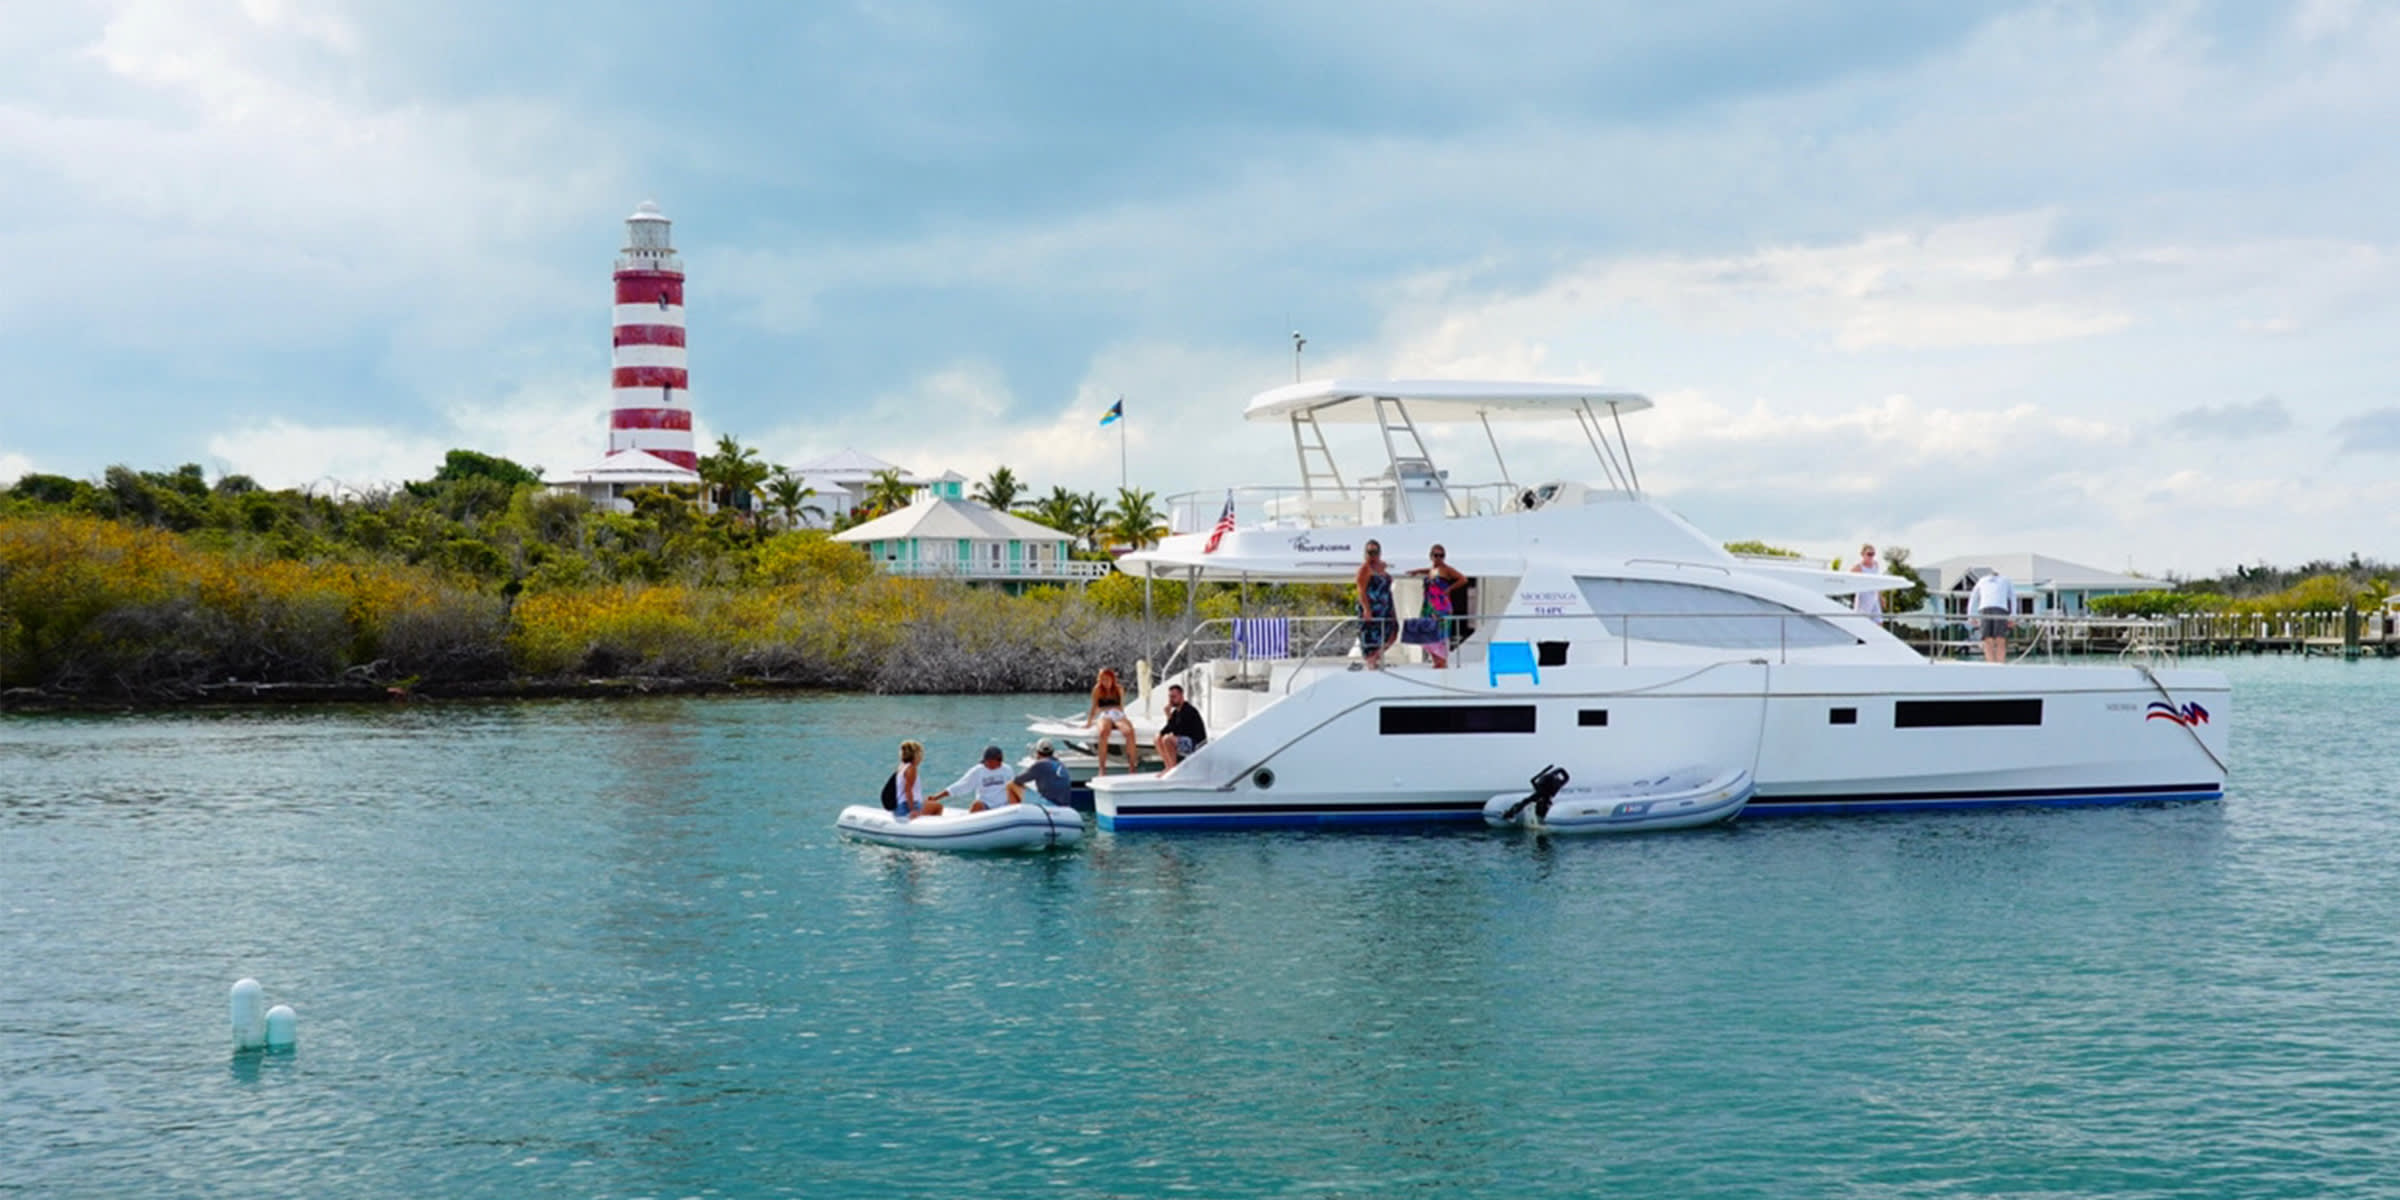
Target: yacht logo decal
x=1301, y=543
x=2188, y=715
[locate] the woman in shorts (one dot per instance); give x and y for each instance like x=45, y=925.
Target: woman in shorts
x=1108, y=712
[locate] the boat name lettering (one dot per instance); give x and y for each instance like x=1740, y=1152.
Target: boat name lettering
x=1550, y=604
x=1301, y=543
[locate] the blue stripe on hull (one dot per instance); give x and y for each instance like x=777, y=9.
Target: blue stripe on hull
x=1233, y=817
x=1810, y=806
x=1347, y=819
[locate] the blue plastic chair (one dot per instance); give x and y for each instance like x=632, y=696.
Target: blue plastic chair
x=1513, y=658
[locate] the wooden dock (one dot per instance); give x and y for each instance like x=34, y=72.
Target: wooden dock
x=2309, y=634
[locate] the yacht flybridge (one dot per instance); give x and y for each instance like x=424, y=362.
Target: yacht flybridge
x=1604, y=634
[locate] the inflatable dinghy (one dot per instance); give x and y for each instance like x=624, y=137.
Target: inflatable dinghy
x=1675, y=800
x=1028, y=826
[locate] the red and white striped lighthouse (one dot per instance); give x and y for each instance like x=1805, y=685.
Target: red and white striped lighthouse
x=653, y=410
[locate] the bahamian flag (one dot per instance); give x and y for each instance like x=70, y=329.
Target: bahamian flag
x=1115, y=413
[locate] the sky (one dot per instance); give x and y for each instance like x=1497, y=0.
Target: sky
x=2114, y=282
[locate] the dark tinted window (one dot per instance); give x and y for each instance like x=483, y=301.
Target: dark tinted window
x=1941, y=714
x=1458, y=718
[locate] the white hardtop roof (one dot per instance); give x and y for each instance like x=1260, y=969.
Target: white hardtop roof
x=2033, y=570
x=1349, y=400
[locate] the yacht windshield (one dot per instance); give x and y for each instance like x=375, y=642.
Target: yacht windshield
x=1689, y=614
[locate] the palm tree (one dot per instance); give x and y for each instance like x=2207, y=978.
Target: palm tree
x=1090, y=520
x=790, y=495
x=1136, y=518
x=887, y=492
x=1056, y=510
x=733, y=473
x=1000, y=490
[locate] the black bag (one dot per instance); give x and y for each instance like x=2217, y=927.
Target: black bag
x=891, y=793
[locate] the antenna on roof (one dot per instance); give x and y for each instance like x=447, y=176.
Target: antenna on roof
x=1297, y=343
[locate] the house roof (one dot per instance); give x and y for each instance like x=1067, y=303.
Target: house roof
x=945, y=518
x=2032, y=571
x=848, y=462
x=629, y=466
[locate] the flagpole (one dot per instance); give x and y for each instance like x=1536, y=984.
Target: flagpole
x=1122, y=483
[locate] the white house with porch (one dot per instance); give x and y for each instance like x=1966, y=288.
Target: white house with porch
x=605, y=482
x=959, y=539
x=2045, y=585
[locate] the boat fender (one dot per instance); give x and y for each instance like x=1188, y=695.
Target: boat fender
x=891, y=792
x=1546, y=784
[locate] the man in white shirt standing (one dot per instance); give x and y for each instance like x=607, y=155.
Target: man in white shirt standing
x=1994, y=601
x=1868, y=603
x=988, y=780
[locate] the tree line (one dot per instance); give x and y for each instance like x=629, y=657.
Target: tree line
x=166, y=584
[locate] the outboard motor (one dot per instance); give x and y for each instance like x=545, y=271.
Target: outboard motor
x=1547, y=783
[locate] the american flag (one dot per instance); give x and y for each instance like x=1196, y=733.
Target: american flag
x=1224, y=525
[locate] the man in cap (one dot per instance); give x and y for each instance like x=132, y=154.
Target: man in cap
x=1047, y=775
x=988, y=780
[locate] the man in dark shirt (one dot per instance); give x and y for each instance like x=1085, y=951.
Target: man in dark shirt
x=1182, y=732
x=1047, y=775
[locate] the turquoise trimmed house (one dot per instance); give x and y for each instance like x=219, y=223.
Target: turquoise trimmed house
x=940, y=537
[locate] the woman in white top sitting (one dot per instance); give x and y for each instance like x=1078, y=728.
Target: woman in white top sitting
x=909, y=790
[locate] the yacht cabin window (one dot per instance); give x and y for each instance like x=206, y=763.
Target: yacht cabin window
x=1689, y=614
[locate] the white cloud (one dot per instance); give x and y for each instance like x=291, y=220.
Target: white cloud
x=13, y=467
x=285, y=454
x=218, y=171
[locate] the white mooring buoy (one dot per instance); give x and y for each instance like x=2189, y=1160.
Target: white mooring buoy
x=249, y=1016
x=283, y=1027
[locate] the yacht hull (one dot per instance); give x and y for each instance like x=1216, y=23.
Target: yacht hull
x=1413, y=746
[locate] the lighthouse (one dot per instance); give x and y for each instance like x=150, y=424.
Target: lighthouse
x=652, y=385
x=650, y=412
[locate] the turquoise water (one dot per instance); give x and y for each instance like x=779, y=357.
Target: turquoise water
x=614, y=950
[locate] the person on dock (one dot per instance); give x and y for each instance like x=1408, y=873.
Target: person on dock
x=1182, y=731
x=987, y=780
x=1048, y=777
x=1868, y=602
x=1994, y=601
x=1378, y=621
x=1108, y=712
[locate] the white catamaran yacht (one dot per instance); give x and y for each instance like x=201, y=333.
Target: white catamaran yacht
x=1605, y=635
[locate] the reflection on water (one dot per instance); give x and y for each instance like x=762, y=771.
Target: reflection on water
x=615, y=949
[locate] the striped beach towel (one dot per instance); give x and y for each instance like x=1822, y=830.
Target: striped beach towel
x=1263, y=637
